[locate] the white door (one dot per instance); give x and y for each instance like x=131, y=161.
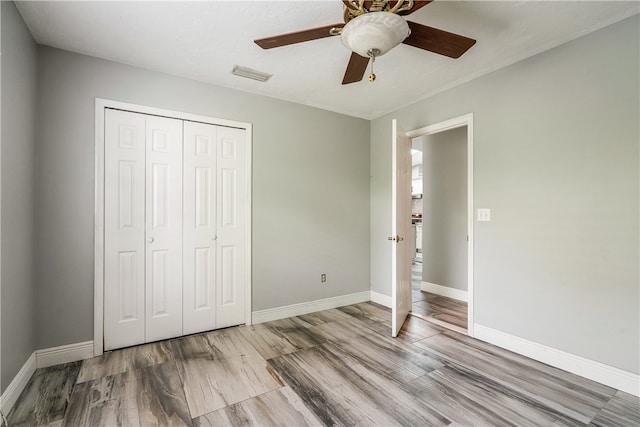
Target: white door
x=232, y=218
x=199, y=238
x=124, y=229
x=163, y=228
x=401, y=224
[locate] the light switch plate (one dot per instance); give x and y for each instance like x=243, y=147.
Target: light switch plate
x=484, y=214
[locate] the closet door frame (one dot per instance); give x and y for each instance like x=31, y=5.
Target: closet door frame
x=98, y=279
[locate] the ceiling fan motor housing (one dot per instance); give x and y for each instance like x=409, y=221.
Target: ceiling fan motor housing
x=381, y=31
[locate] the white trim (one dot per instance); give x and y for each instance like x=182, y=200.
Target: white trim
x=381, y=299
x=466, y=120
x=445, y=291
x=248, y=179
x=101, y=104
x=98, y=232
x=596, y=371
x=19, y=382
x=309, y=307
x=64, y=354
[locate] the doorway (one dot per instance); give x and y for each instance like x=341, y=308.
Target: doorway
x=442, y=224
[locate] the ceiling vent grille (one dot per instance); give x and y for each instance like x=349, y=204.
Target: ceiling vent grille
x=250, y=74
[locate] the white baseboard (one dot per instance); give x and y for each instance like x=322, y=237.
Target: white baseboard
x=64, y=354
x=596, y=371
x=381, y=299
x=283, y=312
x=444, y=291
x=19, y=382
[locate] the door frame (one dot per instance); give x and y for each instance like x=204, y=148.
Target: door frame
x=98, y=276
x=457, y=122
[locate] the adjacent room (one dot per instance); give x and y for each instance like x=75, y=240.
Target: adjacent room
x=319, y=213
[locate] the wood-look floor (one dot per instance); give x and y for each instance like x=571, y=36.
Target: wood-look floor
x=334, y=367
x=443, y=311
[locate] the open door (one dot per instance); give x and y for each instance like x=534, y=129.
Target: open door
x=400, y=226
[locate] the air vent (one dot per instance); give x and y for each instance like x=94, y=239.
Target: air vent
x=250, y=74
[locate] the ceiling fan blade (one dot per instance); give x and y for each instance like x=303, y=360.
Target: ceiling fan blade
x=297, y=36
x=355, y=69
x=438, y=41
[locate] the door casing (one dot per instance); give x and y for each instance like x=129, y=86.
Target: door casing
x=98, y=279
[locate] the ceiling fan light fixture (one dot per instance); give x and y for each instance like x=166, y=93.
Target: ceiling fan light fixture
x=374, y=32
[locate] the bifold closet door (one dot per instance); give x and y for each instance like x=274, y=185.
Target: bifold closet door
x=215, y=221
x=199, y=238
x=176, y=218
x=143, y=229
x=163, y=228
x=124, y=229
x=232, y=220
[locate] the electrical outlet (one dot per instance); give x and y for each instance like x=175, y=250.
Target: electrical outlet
x=323, y=277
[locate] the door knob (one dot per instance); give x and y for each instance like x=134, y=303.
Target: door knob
x=150, y=240
x=215, y=237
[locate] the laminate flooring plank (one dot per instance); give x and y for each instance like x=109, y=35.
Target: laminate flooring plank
x=414, y=329
x=280, y=407
x=384, y=351
x=126, y=359
x=452, y=319
x=528, y=378
x=385, y=391
x=267, y=342
x=221, y=368
x=55, y=391
x=348, y=392
x=504, y=405
x=89, y=399
x=281, y=336
x=442, y=309
x=596, y=392
x=325, y=316
x=46, y=396
x=388, y=356
x=152, y=396
x=454, y=405
x=622, y=410
x=368, y=311
x=23, y=412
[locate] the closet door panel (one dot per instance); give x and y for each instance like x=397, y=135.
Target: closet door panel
x=124, y=228
x=199, y=228
x=163, y=228
x=232, y=223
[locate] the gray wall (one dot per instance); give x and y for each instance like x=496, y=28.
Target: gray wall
x=19, y=58
x=556, y=146
x=444, y=219
x=310, y=188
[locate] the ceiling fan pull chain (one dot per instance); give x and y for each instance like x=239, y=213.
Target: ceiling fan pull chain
x=372, y=76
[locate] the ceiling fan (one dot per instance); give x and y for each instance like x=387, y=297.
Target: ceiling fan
x=371, y=29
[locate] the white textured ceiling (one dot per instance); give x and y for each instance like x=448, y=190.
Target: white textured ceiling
x=204, y=40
